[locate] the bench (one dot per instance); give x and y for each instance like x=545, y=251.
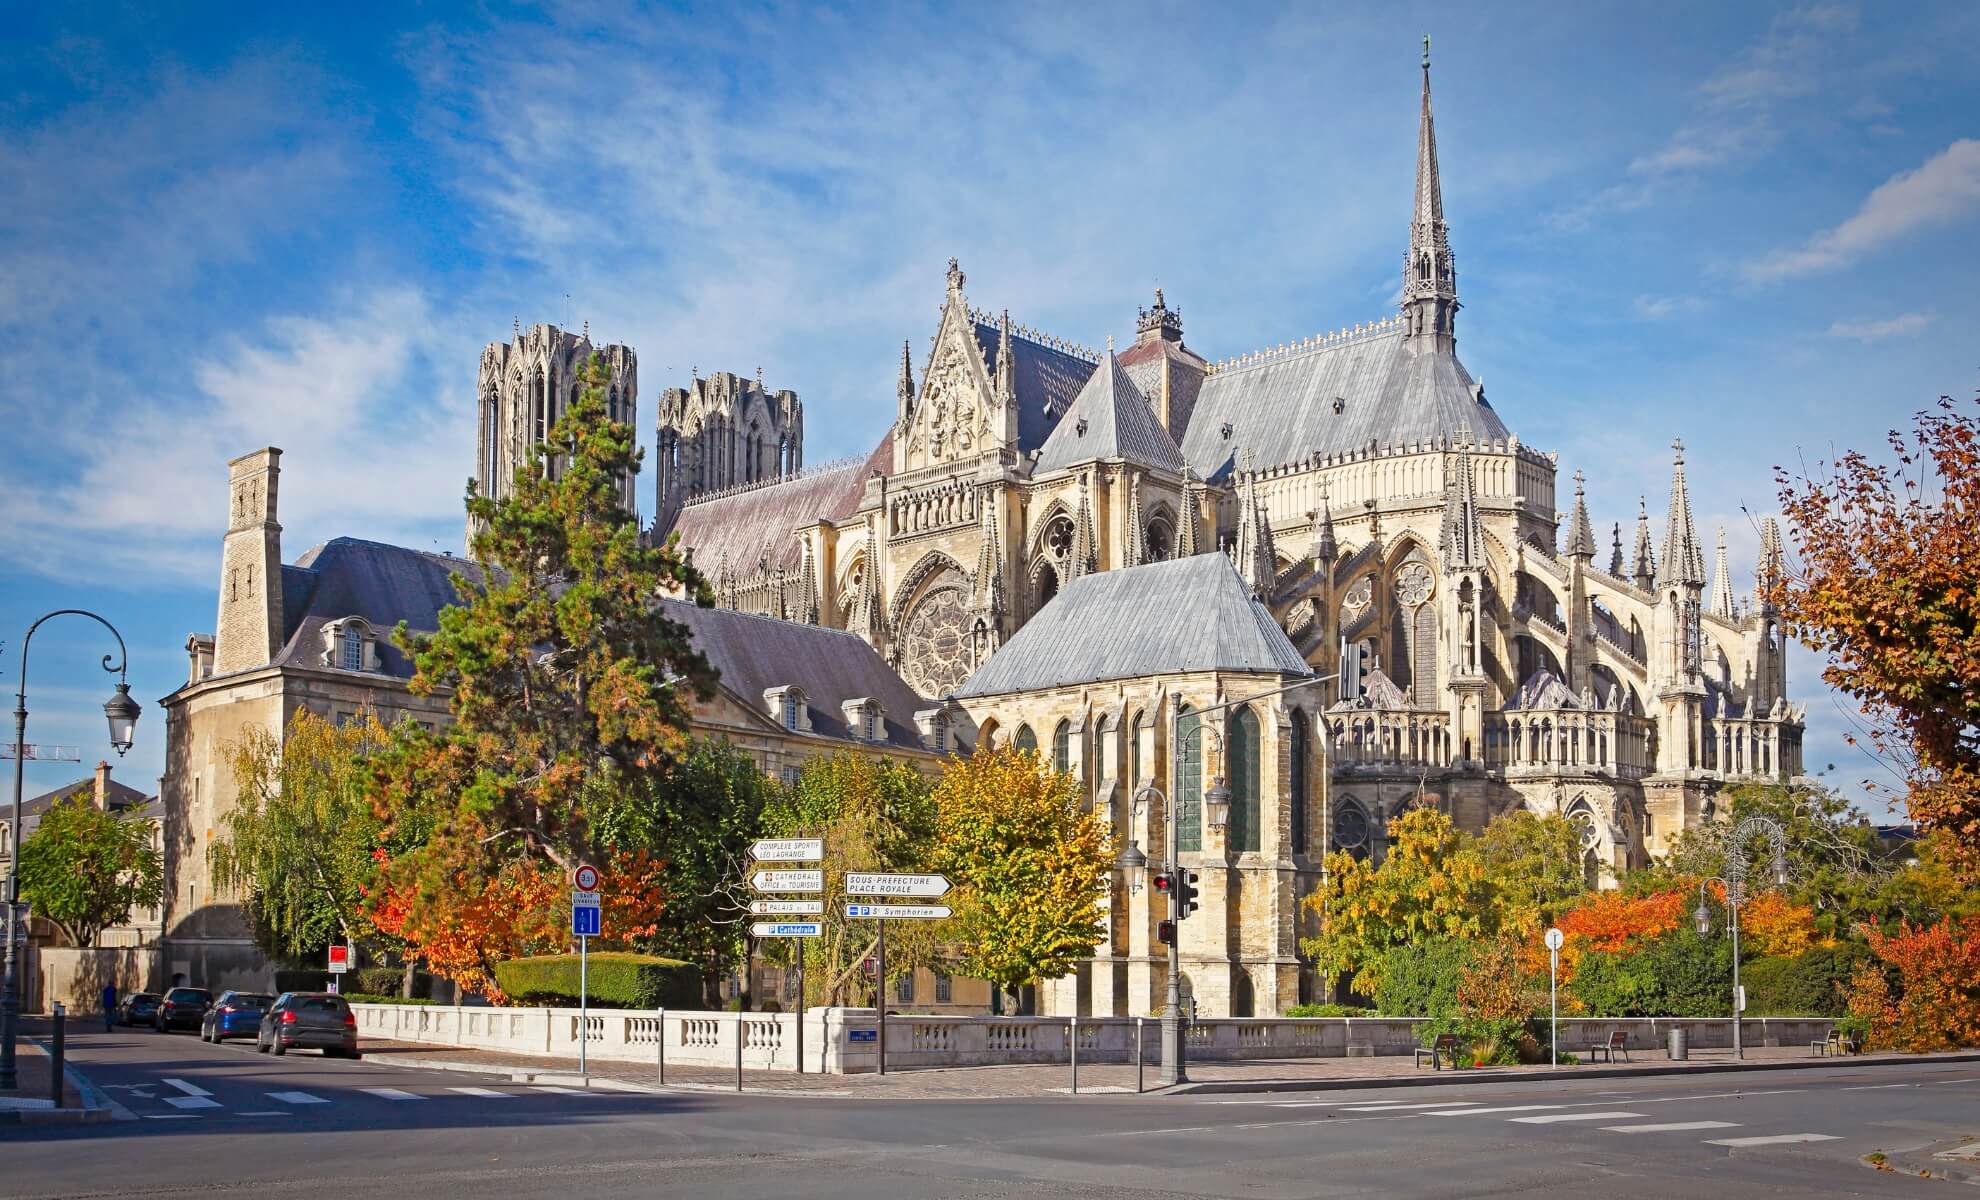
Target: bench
x=1618, y=1043
x=1837, y=1043
x=1445, y=1045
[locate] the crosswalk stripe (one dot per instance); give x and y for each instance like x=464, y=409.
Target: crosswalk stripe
x=296, y=1098
x=1479, y=1112
x=1778, y=1139
x=1398, y=1107
x=490, y=1093
x=1557, y=1118
x=391, y=1094
x=265, y=1112
x=1670, y=1127
x=190, y=1102
x=561, y=1091
x=187, y=1088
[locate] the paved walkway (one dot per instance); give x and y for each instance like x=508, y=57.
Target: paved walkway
x=1008, y=1082
x=31, y=1067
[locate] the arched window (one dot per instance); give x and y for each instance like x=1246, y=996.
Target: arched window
x=1159, y=540
x=1045, y=587
x=1242, y=763
x=1138, y=730
x=352, y=656
x=1025, y=739
x=1298, y=797
x=1062, y=747
x=790, y=711
x=1189, y=789
x=1351, y=827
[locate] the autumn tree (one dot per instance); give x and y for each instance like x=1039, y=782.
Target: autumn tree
x=86, y=869
x=1534, y=862
x=299, y=843
x=1029, y=865
x=874, y=815
x=1923, y=993
x=1885, y=585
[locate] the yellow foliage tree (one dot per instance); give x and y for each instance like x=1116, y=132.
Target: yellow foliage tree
x=1029, y=864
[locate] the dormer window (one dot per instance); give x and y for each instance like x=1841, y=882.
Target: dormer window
x=933, y=724
x=348, y=645
x=786, y=706
x=865, y=719
x=790, y=711
x=350, y=649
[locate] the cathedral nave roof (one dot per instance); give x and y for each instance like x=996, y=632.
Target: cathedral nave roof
x=1110, y=419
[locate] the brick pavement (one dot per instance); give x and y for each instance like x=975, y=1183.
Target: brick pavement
x=1009, y=1082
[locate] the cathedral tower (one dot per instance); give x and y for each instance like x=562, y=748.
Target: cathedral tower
x=1430, y=300
x=249, y=631
x=722, y=432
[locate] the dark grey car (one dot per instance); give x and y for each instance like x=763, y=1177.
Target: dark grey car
x=308, y=1020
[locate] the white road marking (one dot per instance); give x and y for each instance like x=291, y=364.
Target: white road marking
x=1557, y=1118
x=296, y=1098
x=1875, y=1087
x=557, y=1091
x=187, y=1088
x=1397, y=1107
x=171, y=1116
x=391, y=1094
x=1671, y=1127
x=1479, y=1112
x=490, y=1093
x=190, y=1102
x=1778, y=1139
x=265, y=1112
x=1722, y=1096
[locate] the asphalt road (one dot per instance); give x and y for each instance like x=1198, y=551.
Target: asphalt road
x=225, y=1121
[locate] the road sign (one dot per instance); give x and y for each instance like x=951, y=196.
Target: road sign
x=1554, y=939
x=870, y=883
x=788, y=881
x=585, y=878
x=909, y=912
x=340, y=959
x=787, y=908
x=586, y=921
x=787, y=929
x=788, y=850
x=584, y=900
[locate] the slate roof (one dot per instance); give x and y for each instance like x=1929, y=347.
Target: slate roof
x=1187, y=614
x=1282, y=409
x=737, y=530
x=756, y=653
x=1046, y=380
x=351, y=577
x=123, y=797
x=1110, y=418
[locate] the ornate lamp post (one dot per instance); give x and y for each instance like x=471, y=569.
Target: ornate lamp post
x=122, y=713
x=1737, y=868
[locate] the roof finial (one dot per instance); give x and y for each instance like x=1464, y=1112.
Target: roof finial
x=955, y=277
x=1426, y=52
x=1110, y=343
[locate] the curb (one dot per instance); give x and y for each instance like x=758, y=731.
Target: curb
x=602, y=1083
x=1936, y=1160
x=1233, y=1086
x=96, y=1107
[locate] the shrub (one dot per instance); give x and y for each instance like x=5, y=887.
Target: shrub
x=1486, y=1042
x=374, y=998
x=1677, y=975
x=1421, y=979
x=1814, y=983
x=617, y=979
x=1924, y=992
x=1328, y=1010
x=376, y=981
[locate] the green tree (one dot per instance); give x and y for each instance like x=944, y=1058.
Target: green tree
x=1680, y=974
x=875, y=815
x=86, y=869
x=301, y=842
x=569, y=687
x=1029, y=865
x=697, y=819
x=1534, y=863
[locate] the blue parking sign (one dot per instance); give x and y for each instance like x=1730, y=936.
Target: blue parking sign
x=585, y=921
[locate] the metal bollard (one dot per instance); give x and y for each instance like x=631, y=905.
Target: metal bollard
x=1072, y=1050
x=1137, y=1054
x=660, y=1050
x=56, y=1072
x=739, y=1048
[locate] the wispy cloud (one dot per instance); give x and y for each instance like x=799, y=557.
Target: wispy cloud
x=1657, y=308
x=1945, y=189
x=1869, y=330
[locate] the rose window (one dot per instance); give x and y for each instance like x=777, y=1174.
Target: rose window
x=1414, y=584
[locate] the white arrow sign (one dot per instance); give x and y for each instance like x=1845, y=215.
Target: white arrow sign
x=788, y=850
x=787, y=929
x=789, y=881
x=910, y=912
x=787, y=908
x=868, y=883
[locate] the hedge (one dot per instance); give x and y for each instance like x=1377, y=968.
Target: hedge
x=1811, y=984
x=1420, y=979
x=617, y=979
x=1328, y=1010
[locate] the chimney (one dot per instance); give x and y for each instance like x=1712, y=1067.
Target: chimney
x=103, y=785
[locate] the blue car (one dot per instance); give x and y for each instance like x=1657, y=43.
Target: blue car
x=234, y=1014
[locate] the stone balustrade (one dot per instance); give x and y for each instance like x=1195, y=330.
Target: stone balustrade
x=1389, y=738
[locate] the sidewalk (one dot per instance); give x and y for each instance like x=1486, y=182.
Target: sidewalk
x=1017, y=1082
x=31, y=1102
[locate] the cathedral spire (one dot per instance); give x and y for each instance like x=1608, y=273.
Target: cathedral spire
x=1131, y=551
x=1006, y=366
x=807, y=610
x=1082, y=562
x=1683, y=562
x=1430, y=300
x=1325, y=548
x=1186, y=519
x=1257, y=564
x=1615, y=553
x=904, y=390
x=1644, y=566
x=1722, y=587
x=1461, y=543
x=1773, y=564
x=990, y=562
x=1581, y=535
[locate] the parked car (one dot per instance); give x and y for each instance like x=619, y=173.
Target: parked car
x=299, y=1020
x=138, y=1008
x=183, y=1008
x=234, y=1014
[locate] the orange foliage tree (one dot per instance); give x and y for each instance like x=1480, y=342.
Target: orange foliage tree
x=1936, y=1003
x=1886, y=587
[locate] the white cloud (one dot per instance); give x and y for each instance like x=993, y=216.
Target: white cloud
x=1943, y=190
x=1872, y=330
x=1656, y=308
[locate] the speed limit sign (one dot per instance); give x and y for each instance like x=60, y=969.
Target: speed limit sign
x=585, y=878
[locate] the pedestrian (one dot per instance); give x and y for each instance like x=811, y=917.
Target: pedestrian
x=109, y=1006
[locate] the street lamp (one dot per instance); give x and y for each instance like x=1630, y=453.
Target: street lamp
x=1737, y=868
x=122, y=713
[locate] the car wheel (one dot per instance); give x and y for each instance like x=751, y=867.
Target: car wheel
x=280, y=1049
x=260, y=1047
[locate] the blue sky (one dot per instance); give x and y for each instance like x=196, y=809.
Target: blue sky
x=1749, y=227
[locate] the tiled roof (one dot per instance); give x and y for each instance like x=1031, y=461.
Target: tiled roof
x=1110, y=419
x=737, y=530
x=1046, y=380
x=1282, y=408
x=351, y=577
x=756, y=653
x=122, y=797
x=1188, y=614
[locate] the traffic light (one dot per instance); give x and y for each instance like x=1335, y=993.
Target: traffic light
x=1165, y=932
x=1186, y=893
x=1165, y=883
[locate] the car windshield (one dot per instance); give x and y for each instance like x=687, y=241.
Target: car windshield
x=329, y=1004
x=252, y=1000
x=189, y=996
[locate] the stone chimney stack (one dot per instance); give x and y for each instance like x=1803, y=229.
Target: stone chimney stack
x=103, y=785
x=250, y=625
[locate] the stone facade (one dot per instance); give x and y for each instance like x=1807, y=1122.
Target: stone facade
x=724, y=432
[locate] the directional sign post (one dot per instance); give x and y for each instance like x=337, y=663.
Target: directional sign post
x=787, y=908
x=788, y=850
x=873, y=883
x=898, y=912
x=796, y=929
x=586, y=923
x=788, y=881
